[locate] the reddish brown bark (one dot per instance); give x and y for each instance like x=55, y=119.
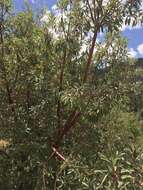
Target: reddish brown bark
x=89, y=61
x=73, y=118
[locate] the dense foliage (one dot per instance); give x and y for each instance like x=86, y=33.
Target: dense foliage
x=71, y=105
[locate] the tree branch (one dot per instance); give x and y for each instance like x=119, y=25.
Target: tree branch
x=75, y=114
x=91, y=50
x=60, y=89
x=90, y=10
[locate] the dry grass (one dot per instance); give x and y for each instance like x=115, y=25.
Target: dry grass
x=3, y=144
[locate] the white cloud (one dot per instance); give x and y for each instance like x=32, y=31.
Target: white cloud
x=140, y=49
x=142, y=5
x=45, y=16
x=105, y=2
x=132, y=53
x=54, y=7
x=101, y=34
x=129, y=27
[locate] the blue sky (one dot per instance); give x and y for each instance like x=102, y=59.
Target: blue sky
x=135, y=40
x=19, y=5
x=134, y=35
